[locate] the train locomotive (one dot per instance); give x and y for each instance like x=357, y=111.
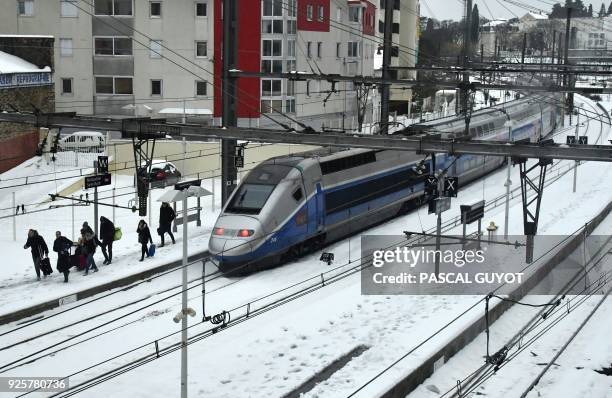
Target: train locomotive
x=290, y=205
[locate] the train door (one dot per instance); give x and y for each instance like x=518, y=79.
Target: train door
x=320, y=205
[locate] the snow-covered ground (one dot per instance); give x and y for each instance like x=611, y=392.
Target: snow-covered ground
x=271, y=354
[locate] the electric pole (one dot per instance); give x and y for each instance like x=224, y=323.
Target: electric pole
x=566, y=78
x=386, y=73
x=466, y=57
x=228, y=95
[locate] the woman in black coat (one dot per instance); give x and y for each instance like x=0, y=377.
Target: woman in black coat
x=62, y=246
x=107, y=233
x=144, y=237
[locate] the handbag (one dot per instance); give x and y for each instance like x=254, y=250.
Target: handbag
x=118, y=233
x=152, y=250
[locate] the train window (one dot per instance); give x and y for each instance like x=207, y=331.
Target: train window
x=336, y=165
x=250, y=198
x=491, y=127
x=297, y=195
x=479, y=128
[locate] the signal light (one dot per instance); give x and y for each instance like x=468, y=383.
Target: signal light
x=245, y=233
x=219, y=231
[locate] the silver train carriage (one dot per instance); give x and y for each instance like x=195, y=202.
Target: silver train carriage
x=290, y=205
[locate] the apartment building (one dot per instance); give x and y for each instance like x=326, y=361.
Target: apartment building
x=405, y=51
x=314, y=36
x=119, y=57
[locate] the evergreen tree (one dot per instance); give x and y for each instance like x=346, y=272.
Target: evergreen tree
x=590, y=11
x=475, y=24
x=602, y=11
x=609, y=9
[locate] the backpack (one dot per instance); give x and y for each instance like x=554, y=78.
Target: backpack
x=118, y=233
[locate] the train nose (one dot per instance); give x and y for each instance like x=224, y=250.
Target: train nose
x=235, y=236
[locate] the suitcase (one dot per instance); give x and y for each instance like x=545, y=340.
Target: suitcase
x=45, y=266
x=151, y=250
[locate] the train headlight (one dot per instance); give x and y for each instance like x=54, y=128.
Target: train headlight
x=245, y=233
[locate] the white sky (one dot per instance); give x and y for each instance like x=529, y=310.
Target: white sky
x=453, y=9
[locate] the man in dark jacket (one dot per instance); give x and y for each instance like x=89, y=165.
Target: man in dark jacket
x=62, y=246
x=107, y=233
x=38, y=247
x=144, y=237
x=166, y=216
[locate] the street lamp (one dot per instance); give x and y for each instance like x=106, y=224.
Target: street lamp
x=182, y=191
x=508, y=182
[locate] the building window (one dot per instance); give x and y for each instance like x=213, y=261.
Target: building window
x=113, y=46
x=201, y=49
x=113, y=7
x=338, y=50
x=66, y=86
x=291, y=65
x=156, y=48
x=201, y=88
x=114, y=85
x=272, y=26
x=290, y=88
x=25, y=8
x=292, y=8
x=201, y=9
x=290, y=106
x=309, y=50
x=320, y=13
x=338, y=14
x=155, y=9
x=320, y=49
x=68, y=8
x=271, y=88
x=291, y=48
x=309, y=12
x=308, y=88
x=268, y=65
x=272, y=8
x=156, y=87
x=272, y=48
x=65, y=47
x=291, y=27
x=353, y=49
x=353, y=14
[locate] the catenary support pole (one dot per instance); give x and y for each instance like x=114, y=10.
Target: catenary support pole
x=228, y=94
x=386, y=72
x=508, y=184
x=576, y=162
x=96, y=232
x=72, y=211
x=184, y=306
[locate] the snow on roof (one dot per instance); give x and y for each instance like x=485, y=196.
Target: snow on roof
x=30, y=36
x=496, y=22
x=186, y=111
x=535, y=16
x=12, y=64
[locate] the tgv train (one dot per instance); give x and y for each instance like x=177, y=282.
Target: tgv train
x=292, y=204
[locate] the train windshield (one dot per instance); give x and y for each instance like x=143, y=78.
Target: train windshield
x=250, y=199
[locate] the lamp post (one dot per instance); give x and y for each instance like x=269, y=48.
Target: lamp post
x=182, y=191
x=508, y=182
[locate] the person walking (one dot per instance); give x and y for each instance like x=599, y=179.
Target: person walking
x=144, y=237
x=38, y=247
x=86, y=229
x=166, y=216
x=62, y=247
x=90, y=241
x=107, y=233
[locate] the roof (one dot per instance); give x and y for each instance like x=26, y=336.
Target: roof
x=12, y=64
x=532, y=15
x=186, y=111
x=496, y=22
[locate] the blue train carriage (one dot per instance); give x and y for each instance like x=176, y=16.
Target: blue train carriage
x=290, y=205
